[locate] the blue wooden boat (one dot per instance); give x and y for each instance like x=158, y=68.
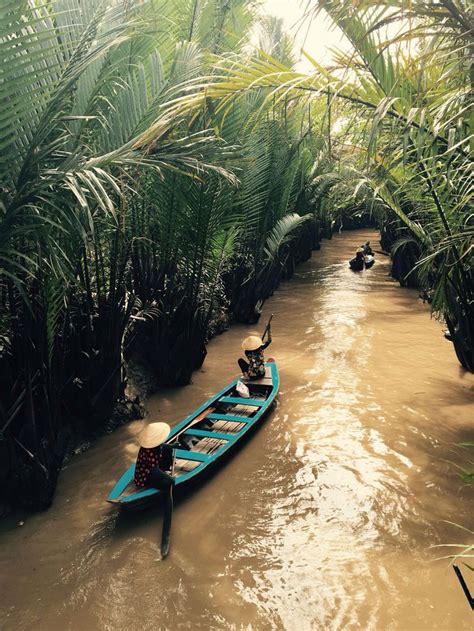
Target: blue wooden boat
x=207, y=436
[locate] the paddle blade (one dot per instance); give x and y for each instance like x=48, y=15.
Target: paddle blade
x=167, y=518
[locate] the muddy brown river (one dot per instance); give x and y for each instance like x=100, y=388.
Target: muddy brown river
x=323, y=520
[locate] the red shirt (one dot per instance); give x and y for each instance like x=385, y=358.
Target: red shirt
x=147, y=460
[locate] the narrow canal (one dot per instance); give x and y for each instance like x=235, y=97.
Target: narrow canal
x=324, y=520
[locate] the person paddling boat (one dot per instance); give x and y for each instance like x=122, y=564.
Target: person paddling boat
x=357, y=263
x=154, y=460
x=253, y=346
x=367, y=249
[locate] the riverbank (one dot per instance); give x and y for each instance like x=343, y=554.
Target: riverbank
x=326, y=517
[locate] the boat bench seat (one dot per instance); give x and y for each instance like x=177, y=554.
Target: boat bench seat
x=257, y=403
x=207, y=434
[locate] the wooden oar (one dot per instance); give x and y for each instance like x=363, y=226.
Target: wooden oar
x=168, y=499
x=267, y=327
x=465, y=588
x=167, y=518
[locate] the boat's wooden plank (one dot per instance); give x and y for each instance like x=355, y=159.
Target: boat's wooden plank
x=212, y=444
x=207, y=434
x=200, y=447
x=190, y=455
x=228, y=417
x=215, y=447
x=184, y=466
x=243, y=410
x=204, y=445
x=231, y=428
x=207, y=445
x=258, y=403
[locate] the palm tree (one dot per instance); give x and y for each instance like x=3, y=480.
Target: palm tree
x=414, y=92
x=73, y=139
x=132, y=203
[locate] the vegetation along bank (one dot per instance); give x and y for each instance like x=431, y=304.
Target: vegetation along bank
x=158, y=183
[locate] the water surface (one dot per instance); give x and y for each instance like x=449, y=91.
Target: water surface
x=324, y=520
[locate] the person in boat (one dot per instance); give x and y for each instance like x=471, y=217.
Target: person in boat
x=155, y=458
x=357, y=263
x=253, y=345
x=367, y=249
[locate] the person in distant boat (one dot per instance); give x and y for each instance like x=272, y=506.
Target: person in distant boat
x=155, y=458
x=253, y=345
x=357, y=263
x=367, y=249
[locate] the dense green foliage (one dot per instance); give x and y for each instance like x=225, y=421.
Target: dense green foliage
x=128, y=229
x=400, y=107
x=414, y=69
x=159, y=178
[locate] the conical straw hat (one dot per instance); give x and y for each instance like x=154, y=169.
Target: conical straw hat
x=251, y=343
x=154, y=435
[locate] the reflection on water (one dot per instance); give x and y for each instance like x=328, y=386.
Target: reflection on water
x=322, y=521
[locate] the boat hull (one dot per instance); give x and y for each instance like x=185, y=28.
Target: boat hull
x=357, y=265
x=369, y=262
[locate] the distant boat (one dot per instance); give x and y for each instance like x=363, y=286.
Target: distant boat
x=358, y=264
x=207, y=435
